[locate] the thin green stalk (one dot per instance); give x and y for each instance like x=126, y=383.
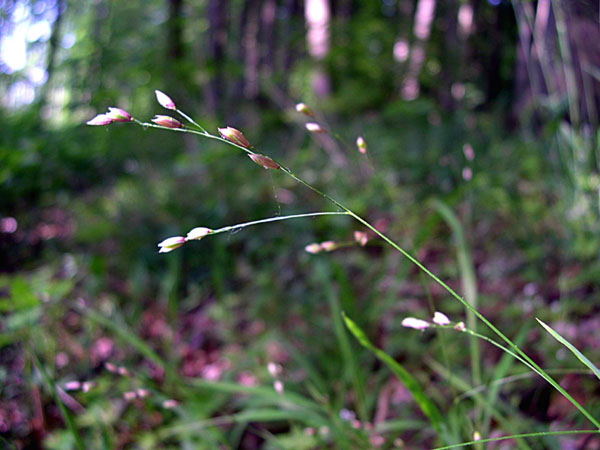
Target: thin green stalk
x=517, y=377
x=530, y=363
x=517, y=350
x=189, y=119
x=239, y=226
x=468, y=281
x=515, y=436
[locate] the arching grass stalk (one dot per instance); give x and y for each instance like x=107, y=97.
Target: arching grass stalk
x=105, y=119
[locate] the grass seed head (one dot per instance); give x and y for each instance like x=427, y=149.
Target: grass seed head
x=235, y=136
x=164, y=100
x=264, y=161
x=167, y=121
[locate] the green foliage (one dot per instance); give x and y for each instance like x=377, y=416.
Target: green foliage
x=82, y=283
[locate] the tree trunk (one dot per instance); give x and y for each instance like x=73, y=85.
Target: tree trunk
x=318, y=17
x=267, y=37
x=251, y=56
x=175, y=30
x=422, y=29
x=53, y=45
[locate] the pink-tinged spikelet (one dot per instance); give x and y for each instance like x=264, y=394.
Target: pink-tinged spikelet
x=167, y=121
x=417, y=324
x=164, y=100
x=235, y=136
x=170, y=244
x=264, y=161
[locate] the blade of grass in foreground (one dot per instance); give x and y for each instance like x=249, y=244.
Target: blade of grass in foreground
x=571, y=347
x=426, y=405
x=514, y=436
x=468, y=281
x=351, y=365
x=251, y=415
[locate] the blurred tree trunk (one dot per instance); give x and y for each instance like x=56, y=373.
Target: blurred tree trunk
x=424, y=16
x=292, y=12
x=175, y=30
x=175, y=75
x=249, y=48
x=318, y=18
x=267, y=37
x=99, y=35
x=53, y=45
x=216, y=45
x=450, y=59
x=344, y=9
x=241, y=48
x=556, y=55
x=402, y=44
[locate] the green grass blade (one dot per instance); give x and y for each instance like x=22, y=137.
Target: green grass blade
x=426, y=405
x=515, y=436
x=251, y=415
x=571, y=347
x=287, y=399
x=490, y=408
x=349, y=357
x=468, y=281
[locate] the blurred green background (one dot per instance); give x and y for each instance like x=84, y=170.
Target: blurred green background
x=481, y=124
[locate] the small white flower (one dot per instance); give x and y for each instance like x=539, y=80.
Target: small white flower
x=198, y=233
x=328, y=246
x=72, y=385
x=314, y=127
x=361, y=145
x=302, y=108
x=440, y=318
x=142, y=393
x=171, y=244
x=417, y=324
x=460, y=326
x=164, y=100
x=170, y=404
x=278, y=386
x=274, y=369
x=313, y=248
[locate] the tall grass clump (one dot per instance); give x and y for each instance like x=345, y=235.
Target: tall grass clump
x=348, y=431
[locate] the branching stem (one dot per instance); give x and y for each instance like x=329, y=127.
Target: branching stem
x=518, y=353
